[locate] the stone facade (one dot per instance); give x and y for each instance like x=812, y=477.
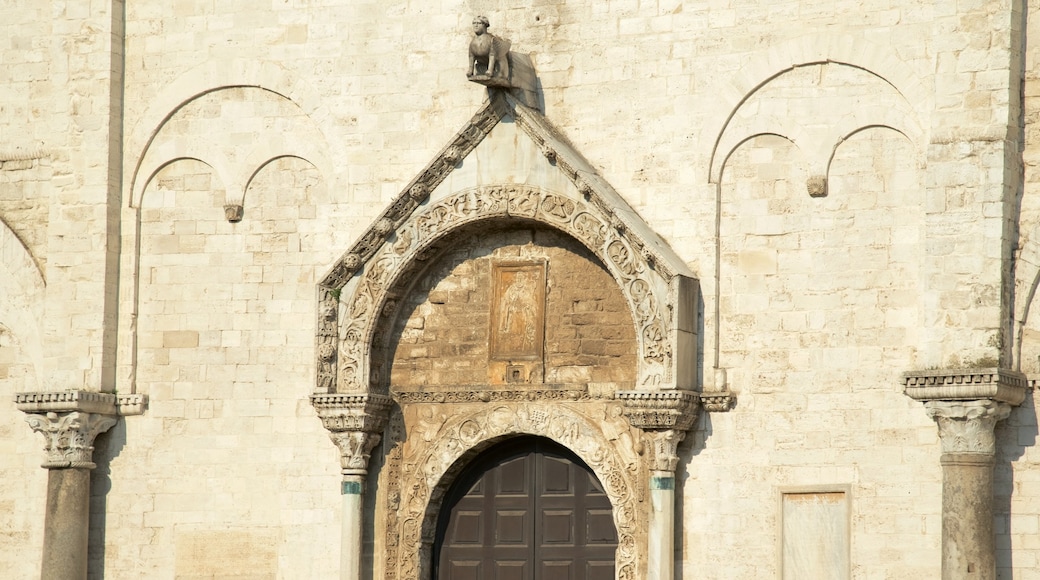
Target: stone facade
x=272, y=274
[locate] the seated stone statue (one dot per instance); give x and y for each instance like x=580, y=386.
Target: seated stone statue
x=488, y=56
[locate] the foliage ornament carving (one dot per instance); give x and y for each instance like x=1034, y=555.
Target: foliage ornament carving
x=71, y=420
x=966, y=427
x=70, y=436
x=355, y=423
x=419, y=474
x=665, y=416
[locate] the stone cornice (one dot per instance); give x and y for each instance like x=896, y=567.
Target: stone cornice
x=65, y=401
x=82, y=401
x=997, y=384
x=655, y=410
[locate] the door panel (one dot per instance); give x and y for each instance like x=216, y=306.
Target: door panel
x=530, y=511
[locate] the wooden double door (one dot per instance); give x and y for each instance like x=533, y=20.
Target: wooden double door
x=527, y=509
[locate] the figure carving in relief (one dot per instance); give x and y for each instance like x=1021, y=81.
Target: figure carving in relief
x=488, y=54
x=518, y=315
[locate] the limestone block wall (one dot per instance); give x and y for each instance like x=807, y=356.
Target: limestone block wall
x=716, y=121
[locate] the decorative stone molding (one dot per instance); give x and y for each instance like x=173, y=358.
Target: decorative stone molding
x=487, y=395
x=134, y=404
x=966, y=427
x=656, y=410
x=352, y=412
x=355, y=423
x=717, y=402
x=1003, y=385
x=70, y=436
x=62, y=401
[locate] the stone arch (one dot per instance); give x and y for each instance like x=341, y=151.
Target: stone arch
x=417, y=485
x=216, y=75
x=22, y=287
x=362, y=296
x=1027, y=280
x=217, y=164
x=819, y=141
x=235, y=170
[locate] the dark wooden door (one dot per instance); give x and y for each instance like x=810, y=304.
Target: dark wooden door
x=526, y=510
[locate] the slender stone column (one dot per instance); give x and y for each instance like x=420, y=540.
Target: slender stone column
x=661, y=557
x=355, y=422
x=664, y=416
x=966, y=405
x=69, y=422
x=968, y=446
x=355, y=447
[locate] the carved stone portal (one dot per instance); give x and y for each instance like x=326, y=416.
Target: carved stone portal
x=421, y=466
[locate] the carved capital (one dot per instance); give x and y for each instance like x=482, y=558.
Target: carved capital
x=355, y=423
x=966, y=427
x=665, y=444
x=70, y=421
x=69, y=436
x=355, y=447
x=657, y=410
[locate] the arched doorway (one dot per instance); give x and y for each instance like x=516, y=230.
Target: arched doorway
x=525, y=509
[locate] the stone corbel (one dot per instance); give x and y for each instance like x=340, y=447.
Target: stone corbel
x=355, y=423
x=69, y=422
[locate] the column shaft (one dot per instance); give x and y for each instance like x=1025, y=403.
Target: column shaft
x=661, y=549
x=66, y=524
x=967, y=518
x=350, y=557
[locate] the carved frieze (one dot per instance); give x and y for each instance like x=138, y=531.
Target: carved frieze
x=966, y=427
x=657, y=410
x=366, y=412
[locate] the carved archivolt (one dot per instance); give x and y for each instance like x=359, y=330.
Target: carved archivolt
x=373, y=299
x=361, y=291
x=420, y=468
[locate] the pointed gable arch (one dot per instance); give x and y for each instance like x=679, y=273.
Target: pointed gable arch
x=361, y=292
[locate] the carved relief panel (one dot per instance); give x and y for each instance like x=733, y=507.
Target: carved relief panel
x=517, y=328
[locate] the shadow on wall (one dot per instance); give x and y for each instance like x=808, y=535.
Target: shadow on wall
x=1014, y=435
x=106, y=448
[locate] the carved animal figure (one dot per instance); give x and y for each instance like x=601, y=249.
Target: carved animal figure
x=488, y=54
